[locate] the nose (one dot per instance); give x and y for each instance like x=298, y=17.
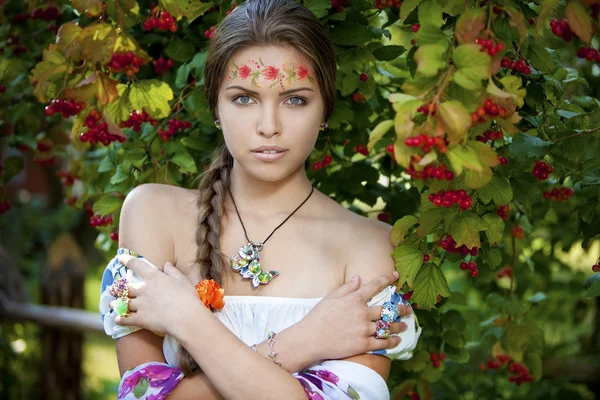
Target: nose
x=269, y=124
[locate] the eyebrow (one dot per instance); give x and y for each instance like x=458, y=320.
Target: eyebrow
x=281, y=94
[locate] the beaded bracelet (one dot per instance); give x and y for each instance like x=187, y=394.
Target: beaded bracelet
x=271, y=343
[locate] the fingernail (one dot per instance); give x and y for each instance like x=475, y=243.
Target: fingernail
x=355, y=277
x=396, y=274
x=168, y=263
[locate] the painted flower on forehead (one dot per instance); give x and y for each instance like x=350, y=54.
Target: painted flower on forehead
x=244, y=71
x=302, y=72
x=210, y=294
x=270, y=73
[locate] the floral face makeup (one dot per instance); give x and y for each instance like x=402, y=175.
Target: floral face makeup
x=287, y=74
x=270, y=102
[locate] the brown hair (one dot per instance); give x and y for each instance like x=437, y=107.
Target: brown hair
x=253, y=23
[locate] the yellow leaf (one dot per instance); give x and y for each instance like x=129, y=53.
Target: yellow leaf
x=47, y=72
x=579, y=21
x=153, y=96
x=96, y=85
x=97, y=42
x=67, y=40
x=378, y=132
x=454, y=119
x=517, y=20
x=469, y=25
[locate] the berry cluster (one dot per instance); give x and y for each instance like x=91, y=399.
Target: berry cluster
x=322, y=164
x=43, y=154
x=175, y=125
x=520, y=373
x=4, y=206
x=66, y=177
x=505, y=271
x=596, y=267
x=517, y=232
x=489, y=108
x=125, y=62
x=518, y=66
x=495, y=363
x=381, y=4
x=559, y=194
x=98, y=130
x=436, y=359
x=98, y=220
x=449, y=245
x=471, y=266
x=561, y=29
x=136, y=119
x=589, y=53
x=46, y=14
x=450, y=197
x=440, y=172
x=427, y=143
x=488, y=46
x=358, y=97
x=209, y=32
x=503, y=211
x=162, y=66
x=67, y=108
x=490, y=135
x=541, y=170
x=163, y=22
x=13, y=41
x=114, y=236
x=362, y=149
x=428, y=108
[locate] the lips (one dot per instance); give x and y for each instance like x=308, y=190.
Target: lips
x=269, y=149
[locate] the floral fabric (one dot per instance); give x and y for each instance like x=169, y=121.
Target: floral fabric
x=149, y=381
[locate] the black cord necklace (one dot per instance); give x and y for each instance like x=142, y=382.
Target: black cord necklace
x=247, y=261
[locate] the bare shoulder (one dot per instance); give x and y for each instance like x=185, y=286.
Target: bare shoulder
x=365, y=242
x=146, y=222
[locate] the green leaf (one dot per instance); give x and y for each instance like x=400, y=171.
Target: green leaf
x=108, y=205
x=180, y=50
x=378, y=132
x=591, y=280
x=408, y=262
x=491, y=257
x=407, y=7
x=453, y=338
x=540, y=58
x=498, y=189
x=535, y=365
x=187, y=8
x=318, y=7
x=527, y=146
x=12, y=166
x=119, y=110
x=429, y=282
x=351, y=34
x=184, y=160
x=120, y=176
x=153, y=96
x=429, y=219
x=542, y=19
x=400, y=228
x=593, y=290
x=46, y=72
x=514, y=85
x=430, y=34
x=125, y=12
x=430, y=13
x=473, y=66
x=195, y=143
x=454, y=119
x=494, y=227
x=579, y=21
x=454, y=320
x=516, y=20
x=465, y=228
x=430, y=59
x=463, y=157
x=469, y=25
x=388, y=53
x=141, y=387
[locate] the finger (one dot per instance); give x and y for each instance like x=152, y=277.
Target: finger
x=130, y=320
x=171, y=270
x=404, y=311
x=370, y=289
x=132, y=291
x=375, y=313
x=133, y=305
x=398, y=327
x=137, y=265
x=375, y=344
x=352, y=285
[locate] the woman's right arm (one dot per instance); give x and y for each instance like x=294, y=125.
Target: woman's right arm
x=144, y=228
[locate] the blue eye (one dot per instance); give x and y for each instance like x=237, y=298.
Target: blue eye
x=298, y=101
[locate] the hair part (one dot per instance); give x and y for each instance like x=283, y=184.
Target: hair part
x=253, y=23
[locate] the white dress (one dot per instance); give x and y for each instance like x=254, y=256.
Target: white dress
x=250, y=318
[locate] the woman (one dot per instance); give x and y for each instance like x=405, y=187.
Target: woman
x=270, y=82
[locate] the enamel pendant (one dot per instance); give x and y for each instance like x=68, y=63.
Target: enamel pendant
x=247, y=263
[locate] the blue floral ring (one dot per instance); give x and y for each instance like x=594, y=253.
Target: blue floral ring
x=389, y=313
x=382, y=329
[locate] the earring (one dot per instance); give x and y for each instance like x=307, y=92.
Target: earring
x=323, y=126
x=218, y=123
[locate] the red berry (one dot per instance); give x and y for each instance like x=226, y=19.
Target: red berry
x=596, y=268
x=364, y=77
x=415, y=27
x=426, y=257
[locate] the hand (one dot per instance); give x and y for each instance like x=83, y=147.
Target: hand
x=162, y=301
x=342, y=325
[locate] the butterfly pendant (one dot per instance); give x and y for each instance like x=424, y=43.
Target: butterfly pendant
x=247, y=262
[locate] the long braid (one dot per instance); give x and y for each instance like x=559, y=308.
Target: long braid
x=212, y=193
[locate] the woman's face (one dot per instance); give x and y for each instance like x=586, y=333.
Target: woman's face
x=270, y=97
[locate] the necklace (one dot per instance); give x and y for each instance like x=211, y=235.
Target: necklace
x=247, y=260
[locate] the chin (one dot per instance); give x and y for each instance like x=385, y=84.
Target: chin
x=271, y=171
